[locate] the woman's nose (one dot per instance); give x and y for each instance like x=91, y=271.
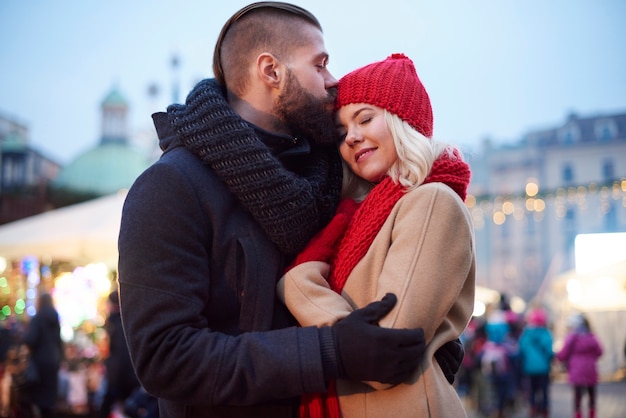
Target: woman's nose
x=353, y=137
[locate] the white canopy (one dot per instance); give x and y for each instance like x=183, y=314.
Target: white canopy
x=84, y=233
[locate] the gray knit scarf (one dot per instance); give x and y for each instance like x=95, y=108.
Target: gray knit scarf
x=290, y=206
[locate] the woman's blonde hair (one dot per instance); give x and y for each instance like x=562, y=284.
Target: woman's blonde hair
x=416, y=155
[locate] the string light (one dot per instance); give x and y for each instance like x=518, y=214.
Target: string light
x=533, y=201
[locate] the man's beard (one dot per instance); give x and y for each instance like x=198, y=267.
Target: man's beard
x=306, y=115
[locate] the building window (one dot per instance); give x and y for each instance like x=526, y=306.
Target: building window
x=608, y=170
x=569, y=134
x=570, y=219
x=13, y=170
x=605, y=129
x=567, y=174
x=569, y=230
x=610, y=218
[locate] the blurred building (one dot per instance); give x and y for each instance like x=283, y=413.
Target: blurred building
x=110, y=166
x=529, y=200
x=24, y=173
x=38, y=254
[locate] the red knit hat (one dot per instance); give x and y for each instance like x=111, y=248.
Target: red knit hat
x=392, y=84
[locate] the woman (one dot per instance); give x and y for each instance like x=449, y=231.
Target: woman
x=409, y=234
x=581, y=352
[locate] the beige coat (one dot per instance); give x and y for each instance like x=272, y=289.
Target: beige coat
x=424, y=253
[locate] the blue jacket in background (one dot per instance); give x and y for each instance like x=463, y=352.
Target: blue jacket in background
x=535, y=348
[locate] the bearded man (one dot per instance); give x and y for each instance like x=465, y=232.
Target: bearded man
x=249, y=173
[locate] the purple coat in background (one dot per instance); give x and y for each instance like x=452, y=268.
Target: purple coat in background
x=581, y=352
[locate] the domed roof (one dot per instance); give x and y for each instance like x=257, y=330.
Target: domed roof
x=114, y=98
x=103, y=170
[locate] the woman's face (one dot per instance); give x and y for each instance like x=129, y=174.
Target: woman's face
x=366, y=142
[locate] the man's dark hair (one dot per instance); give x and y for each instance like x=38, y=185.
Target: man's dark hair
x=271, y=26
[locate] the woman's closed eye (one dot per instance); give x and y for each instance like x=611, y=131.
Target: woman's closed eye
x=365, y=120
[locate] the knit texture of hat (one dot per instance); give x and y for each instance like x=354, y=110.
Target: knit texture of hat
x=393, y=85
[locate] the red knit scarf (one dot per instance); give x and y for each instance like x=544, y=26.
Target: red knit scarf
x=359, y=235
x=375, y=209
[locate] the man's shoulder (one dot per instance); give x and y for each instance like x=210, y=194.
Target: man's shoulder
x=179, y=159
x=177, y=172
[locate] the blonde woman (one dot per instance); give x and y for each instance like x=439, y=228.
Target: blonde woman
x=404, y=229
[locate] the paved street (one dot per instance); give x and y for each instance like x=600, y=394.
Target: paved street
x=610, y=402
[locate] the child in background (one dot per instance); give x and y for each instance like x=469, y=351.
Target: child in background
x=580, y=353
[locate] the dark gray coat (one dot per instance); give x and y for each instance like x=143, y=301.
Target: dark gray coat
x=197, y=281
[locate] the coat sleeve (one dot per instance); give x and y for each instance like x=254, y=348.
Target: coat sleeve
x=599, y=349
x=547, y=343
x=308, y=296
x=564, y=353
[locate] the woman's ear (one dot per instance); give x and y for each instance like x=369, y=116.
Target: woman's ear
x=270, y=69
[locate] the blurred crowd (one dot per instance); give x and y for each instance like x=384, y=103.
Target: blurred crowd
x=42, y=376
x=509, y=363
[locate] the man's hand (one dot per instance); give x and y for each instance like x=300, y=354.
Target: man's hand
x=450, y=356
x=367, y=352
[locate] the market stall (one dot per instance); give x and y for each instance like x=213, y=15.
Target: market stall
x=82, y=233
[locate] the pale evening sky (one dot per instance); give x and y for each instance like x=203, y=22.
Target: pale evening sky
x=493, y=68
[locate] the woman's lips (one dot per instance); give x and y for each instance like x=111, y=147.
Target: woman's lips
x=363, y=153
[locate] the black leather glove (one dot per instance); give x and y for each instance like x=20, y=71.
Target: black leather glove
x=367, y=352
x=450, y=356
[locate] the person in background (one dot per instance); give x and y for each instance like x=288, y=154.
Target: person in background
x=249, y=173
x=535, y=349
x=120, y=377
x=402, y=229
x=497, y=361
x=8, y=362
x=463, y=381
x=580, y=353
x=8, y=338
x=43, y=338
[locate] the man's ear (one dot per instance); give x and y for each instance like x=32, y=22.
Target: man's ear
x=270, y=69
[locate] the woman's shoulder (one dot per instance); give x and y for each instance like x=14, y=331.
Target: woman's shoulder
x=433, y=204
x=587, y=337
x=437, y=196
x=441, y=190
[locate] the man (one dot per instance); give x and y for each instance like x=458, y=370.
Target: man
x=249, y=173
x=43, y=338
